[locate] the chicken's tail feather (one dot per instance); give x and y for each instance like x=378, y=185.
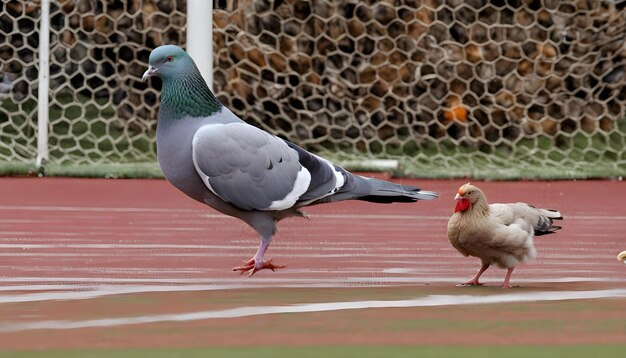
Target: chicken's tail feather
x=546, y=221
x=554, y=214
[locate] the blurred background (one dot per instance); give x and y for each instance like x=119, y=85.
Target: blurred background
x=482, y=89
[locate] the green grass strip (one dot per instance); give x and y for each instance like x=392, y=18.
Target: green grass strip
x=407, y=168
x=595, y=351
x=108, y=170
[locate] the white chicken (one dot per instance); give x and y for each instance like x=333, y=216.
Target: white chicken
x=500, y=234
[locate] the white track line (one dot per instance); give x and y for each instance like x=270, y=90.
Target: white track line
x=85, y=288
x=428, y=301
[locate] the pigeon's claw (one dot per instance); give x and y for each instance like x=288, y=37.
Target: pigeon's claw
x=266, y=265
x=246, y=267
x=303, y=214
x=253, y=267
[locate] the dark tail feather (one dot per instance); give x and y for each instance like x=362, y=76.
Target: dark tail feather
x=386, y=192
x=551, y=230
x=377, y=191
x=556, y=215
x=549, y=215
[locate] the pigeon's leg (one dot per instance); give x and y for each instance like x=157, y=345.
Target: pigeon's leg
x=506, y=283
x=303, y=214
x=257, y=263
x=474, y=281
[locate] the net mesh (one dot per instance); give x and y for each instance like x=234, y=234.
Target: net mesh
x=501, y=89
x=100, y=111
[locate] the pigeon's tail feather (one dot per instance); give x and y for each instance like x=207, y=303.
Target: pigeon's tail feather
x=357, y=187
x=381, y=191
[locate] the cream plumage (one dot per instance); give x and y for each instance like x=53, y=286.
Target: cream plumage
x=497, y=234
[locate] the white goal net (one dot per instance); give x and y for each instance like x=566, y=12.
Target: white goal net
x=500, y=89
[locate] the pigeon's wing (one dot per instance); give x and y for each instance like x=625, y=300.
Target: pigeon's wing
x=248, y=167
x=326, y=177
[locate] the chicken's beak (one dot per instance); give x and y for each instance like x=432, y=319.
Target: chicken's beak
x=622, y=256
x=151, y=71
x=462, y=203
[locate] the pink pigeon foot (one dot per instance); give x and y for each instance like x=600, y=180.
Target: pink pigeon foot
x=253, y=267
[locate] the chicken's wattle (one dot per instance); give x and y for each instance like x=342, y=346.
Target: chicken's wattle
x=461, y=205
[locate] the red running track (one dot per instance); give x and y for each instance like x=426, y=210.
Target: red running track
x=59, y=234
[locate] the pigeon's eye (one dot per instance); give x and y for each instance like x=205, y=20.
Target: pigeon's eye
x=169, y=59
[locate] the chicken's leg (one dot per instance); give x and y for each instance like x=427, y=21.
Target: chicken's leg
x=257, y=263
x=474, y=281
x=506, y=283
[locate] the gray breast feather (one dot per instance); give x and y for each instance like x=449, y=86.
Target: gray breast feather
x=247, y=166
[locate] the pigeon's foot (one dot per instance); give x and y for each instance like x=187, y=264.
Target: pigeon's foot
x=253, y=266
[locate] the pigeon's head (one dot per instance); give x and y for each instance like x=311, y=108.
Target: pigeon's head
x=466, y=196
x=166, y=61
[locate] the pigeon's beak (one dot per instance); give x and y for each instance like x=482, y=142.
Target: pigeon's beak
x=151, y=71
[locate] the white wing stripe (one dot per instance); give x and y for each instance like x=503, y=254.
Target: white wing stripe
x=300, y=186
x=339, y=179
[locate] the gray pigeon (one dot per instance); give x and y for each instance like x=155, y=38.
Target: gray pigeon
x=214, y=157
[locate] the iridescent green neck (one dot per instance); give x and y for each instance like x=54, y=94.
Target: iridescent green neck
x=184, y=96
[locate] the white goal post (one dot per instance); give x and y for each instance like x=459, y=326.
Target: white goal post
x=44, y=85
x=199, y=29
